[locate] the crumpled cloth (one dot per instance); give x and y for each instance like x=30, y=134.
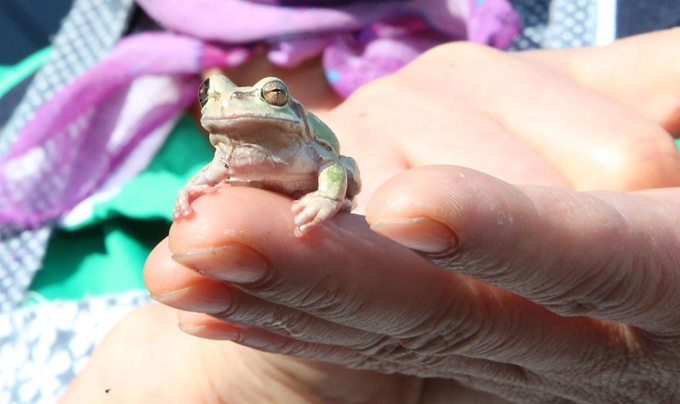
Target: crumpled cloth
x=82, y=134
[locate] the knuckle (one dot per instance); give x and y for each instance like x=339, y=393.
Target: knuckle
x=649, y=160
x=618, y=286
x=324, y=296
x=646, y=157
x=384, y=348
x=455, y=327
x=462, y=51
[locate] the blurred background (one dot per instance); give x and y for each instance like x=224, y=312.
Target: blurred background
x=27, y=26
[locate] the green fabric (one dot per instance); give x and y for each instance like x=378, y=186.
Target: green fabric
x=97, y=260
x=106, y=253
x=151, y=195
x=10, y=76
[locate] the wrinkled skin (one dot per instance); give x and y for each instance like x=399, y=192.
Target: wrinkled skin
x=464, y=288
x=264, y=138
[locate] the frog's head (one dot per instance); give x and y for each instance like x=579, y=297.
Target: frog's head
x=266, y=107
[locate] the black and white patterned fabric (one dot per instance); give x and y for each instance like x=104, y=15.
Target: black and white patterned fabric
x=44, y=346
x=556, y=24
x=87, y=35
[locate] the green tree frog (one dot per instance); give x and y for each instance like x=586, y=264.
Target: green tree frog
x=264, y=138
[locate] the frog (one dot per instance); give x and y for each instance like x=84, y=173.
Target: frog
x=264, y=138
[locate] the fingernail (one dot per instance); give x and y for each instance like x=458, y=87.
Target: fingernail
x=420, y=234
x=214, y=331
x=206, y=300
x=232, y=262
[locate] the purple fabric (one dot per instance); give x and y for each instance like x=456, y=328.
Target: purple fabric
x=80, y=135
x=73, y=136
x=354, y=36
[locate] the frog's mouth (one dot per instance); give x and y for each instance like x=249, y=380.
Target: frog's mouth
x=246, y=126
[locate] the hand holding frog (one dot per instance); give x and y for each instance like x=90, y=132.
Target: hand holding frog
x=544, y=291
x=543, y=304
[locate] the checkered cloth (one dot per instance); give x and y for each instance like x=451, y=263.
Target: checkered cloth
x=556, y=24
x=42, y=347
x=88, y=33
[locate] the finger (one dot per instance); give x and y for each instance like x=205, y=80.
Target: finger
x=176, y=286
x=508, y=380
x=564, y=122
x=613, y=256
x=182, y=288
x=642, y=71
x=347, y=275
x=164, y=276
x=279, y=329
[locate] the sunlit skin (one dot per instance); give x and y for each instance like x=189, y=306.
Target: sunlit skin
x=456, y=285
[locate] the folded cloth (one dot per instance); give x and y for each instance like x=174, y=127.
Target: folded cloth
x=83, y=133
x=359, y=40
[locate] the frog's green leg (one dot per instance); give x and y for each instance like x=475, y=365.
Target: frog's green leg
x=353, y=181
x=320, y=205
x=333, y=181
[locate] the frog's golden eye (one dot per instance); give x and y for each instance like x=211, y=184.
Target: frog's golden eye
x=203, y=93
x=275, y=93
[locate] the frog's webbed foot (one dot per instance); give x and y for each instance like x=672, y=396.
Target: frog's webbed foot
x=183, y=209
x=312, y=210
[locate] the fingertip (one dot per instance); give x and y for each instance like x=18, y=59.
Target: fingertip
x=405, y=195
x=205, y=326
x=440, y=192
x=232, y=214
x=164, y=275
x=441, y=209
x=420, y=234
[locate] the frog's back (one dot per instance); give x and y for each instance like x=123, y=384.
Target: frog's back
x=323, y=133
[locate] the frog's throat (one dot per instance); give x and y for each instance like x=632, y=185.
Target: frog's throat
x=253, y=119
x=251, y=124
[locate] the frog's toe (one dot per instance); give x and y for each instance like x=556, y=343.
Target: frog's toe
x=182, y=206
x=182, y=210
x=178, y=214
x=313, y=210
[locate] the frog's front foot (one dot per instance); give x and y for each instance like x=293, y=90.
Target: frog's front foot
x=183, y=209
x=313, y=209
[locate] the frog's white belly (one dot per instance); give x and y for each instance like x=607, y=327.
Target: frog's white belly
x=289, y=173
x=294, y=186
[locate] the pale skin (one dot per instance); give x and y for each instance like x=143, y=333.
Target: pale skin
x=460, y=282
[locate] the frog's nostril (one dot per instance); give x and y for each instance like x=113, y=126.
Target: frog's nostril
x=239, y=95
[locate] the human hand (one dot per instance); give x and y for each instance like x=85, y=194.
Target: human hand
x=625, y=170
x=535, y=294
x=626, y=152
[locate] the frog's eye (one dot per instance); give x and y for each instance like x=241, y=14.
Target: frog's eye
x=203, y=93
x=275, y=93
